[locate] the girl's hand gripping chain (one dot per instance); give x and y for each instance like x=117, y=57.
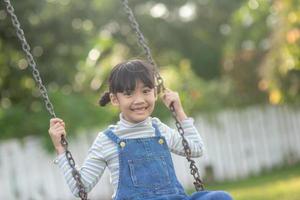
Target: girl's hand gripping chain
x=56, y=130
x=170, y=97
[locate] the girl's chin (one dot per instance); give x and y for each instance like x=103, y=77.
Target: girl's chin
x=138, y=118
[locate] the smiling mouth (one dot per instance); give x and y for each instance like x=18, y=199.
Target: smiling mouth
x=139, y=109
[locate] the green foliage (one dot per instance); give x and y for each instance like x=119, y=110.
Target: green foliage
x=261, y=56
x=216, y=54
x=79, y=112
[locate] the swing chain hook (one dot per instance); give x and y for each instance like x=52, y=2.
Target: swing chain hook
x=36, y=75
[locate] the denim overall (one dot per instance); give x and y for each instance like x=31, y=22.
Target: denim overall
x=146, y=171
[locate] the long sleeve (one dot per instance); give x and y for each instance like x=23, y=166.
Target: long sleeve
x=91, y=170
x=191, y=134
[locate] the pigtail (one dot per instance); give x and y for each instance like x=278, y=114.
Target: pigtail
x=105, y=99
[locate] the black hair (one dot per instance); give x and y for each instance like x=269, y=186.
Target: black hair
x=125, y=75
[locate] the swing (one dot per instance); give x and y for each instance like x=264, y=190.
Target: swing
x=141, y=41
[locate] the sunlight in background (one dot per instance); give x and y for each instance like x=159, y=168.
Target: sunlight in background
x=170, y=75
x=76, y=23
x=225, y=29
x=292, y=17
x=275, y=96
x=159, y=11
x=293, y=35
x=95, y=83
x=94, y=54
x=188, y=12
x=92, y=57
x=27, y=82
x=22, y=64
x=34, y=19
x=263, y=85
x=253, y=4
x=87, y=25
x=5, y=103
x=247, y=19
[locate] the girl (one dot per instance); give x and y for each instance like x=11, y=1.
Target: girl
x=137, y=148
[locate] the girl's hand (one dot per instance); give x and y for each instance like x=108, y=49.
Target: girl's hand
x=56, y=130
x=170, y=97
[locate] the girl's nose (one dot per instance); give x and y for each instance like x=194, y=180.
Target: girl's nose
x=139, y=99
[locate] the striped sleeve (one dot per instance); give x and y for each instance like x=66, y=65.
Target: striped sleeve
x=91, y=170
x=191, y=134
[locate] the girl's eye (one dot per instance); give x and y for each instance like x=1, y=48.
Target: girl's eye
x=146, y=91
x=127, y=93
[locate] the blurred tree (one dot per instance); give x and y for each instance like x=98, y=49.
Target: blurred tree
x=76, y=43
x=221, y=53
x=261, y=55
x=60, y=35
x=246, y=47
x=189, y=29
x=280, y=72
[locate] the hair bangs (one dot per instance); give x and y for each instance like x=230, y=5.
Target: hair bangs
x=126, y=77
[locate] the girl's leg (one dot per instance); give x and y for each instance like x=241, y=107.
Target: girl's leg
x=211, y=195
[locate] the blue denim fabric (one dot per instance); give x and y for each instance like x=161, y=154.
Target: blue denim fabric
x=146, y=171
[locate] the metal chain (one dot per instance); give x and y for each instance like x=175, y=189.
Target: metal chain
x=36, y=75
x=30, y=60
x=142, y=42
x=199, y=185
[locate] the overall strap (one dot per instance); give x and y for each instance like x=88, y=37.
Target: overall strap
x=157, y=132
x=109, y=133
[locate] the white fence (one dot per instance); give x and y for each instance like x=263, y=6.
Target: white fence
x=238, y=144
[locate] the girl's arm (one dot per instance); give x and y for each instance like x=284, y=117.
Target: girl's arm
x=190, y=132
x=92, y=168
x=174, y=139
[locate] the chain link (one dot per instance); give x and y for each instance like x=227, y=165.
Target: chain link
x=141, y=41
x=36, y=75
x=198, y=183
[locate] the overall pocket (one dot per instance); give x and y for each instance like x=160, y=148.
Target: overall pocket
x=150, y=172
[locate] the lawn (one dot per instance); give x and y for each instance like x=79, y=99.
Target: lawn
x=280, y=184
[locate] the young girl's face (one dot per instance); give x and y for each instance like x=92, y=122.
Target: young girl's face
x=135, y=105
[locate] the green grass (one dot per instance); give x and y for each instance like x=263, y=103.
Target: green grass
x=280, y=184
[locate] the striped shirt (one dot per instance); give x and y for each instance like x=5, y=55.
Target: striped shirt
x=104, y=152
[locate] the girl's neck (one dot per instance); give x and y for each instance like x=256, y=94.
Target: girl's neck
x=126, y=124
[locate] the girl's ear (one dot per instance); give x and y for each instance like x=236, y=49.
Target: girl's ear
x=113, y=99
